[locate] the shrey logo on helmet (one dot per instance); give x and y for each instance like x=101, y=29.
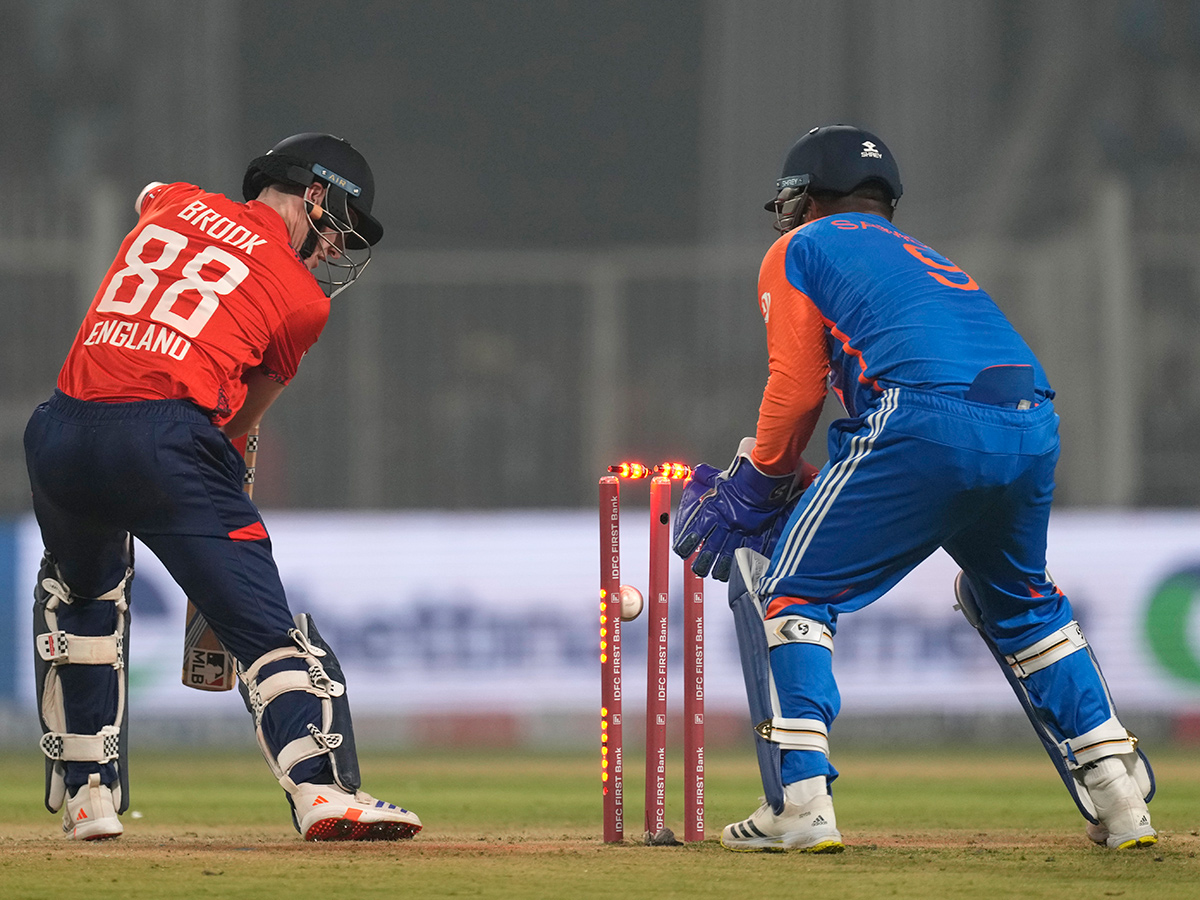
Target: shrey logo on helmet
x=834, y=158
x=303, y=159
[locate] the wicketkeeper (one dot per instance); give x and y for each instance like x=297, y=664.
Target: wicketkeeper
x=950, y=440
x=198, y=326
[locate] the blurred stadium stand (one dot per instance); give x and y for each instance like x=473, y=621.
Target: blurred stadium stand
x=574, y=198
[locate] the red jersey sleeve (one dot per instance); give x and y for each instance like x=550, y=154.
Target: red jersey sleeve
x=154, y=192
x=292, y=339
x=799, y=368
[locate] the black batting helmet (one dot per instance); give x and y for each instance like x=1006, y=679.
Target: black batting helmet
x=835, y=158
x=304, y=158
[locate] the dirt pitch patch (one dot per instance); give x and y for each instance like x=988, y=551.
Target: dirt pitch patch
x=149, y=845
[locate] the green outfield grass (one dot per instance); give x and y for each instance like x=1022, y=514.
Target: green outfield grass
x=920, y=825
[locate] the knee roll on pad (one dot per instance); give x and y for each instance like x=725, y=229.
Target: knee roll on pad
x=57, y=648
x=334, y=736
x=1070, y=755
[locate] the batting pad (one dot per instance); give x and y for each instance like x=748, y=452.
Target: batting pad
x=756, y=669
x=1071, y=754
x=333, y=736
x=57, y=648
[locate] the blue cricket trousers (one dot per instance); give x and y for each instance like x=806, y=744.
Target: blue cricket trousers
x=916, y=472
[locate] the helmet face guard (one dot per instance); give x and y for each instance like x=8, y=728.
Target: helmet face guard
x=333, y=224
x=789, y=203
x=343, y=220
x=343, y=262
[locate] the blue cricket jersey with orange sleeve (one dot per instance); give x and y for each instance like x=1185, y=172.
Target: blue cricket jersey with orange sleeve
x=951, y=442
x=852, y=301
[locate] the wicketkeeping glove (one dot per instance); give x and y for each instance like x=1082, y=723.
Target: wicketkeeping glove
x=739, y=507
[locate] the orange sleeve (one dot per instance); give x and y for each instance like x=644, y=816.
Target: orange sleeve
x=799, y=369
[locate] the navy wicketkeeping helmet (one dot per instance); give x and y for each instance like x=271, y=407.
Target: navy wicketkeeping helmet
x=834, y=158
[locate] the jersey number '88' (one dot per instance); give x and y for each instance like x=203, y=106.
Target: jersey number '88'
x=146, y=271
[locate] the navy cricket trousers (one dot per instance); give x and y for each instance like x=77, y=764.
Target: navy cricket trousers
x=161, y=471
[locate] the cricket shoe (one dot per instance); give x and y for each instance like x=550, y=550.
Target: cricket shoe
x=1124, y=818
x=324, y=812
x=810, y=827
x=91, y=815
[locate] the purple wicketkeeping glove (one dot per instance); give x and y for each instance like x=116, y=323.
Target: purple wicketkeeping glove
x=722, y=511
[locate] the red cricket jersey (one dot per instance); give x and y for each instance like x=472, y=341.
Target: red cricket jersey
x=202, y=290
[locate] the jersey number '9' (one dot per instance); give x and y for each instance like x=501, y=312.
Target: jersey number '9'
x=946, y=266
x=173, y=243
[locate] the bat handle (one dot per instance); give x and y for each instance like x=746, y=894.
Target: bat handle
x=251, y=458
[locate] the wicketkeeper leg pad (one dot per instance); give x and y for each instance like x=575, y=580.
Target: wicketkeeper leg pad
x=1070, y=754
x=58, y=653
x=264, y=682
x=773, y=732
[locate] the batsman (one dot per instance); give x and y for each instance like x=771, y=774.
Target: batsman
x=199, y=324
x=949, y=439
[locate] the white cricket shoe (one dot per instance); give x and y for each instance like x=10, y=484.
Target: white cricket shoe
x=324, y=812
x=91, y=815
x=808, y=825
x=1124, y=818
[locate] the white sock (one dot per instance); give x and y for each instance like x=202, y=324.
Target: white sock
x=801, y=792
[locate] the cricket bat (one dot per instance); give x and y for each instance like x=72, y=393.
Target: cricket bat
x=208, y=666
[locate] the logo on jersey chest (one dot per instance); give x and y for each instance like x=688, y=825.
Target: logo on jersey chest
x=764, y=304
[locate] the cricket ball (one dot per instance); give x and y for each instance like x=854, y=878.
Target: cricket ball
x=631, y=602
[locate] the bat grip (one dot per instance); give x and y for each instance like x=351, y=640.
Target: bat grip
x=251, y=457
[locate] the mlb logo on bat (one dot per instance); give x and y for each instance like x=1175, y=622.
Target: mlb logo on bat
x=206, y=668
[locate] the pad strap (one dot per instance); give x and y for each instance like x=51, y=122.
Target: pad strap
x=314, y=680
x=795, y=734
x=302, y=650
x=1048, y=650
x=314, y=744
x=59, y=648
x=798, y=630
x=101, y=748
x=1109, y=738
